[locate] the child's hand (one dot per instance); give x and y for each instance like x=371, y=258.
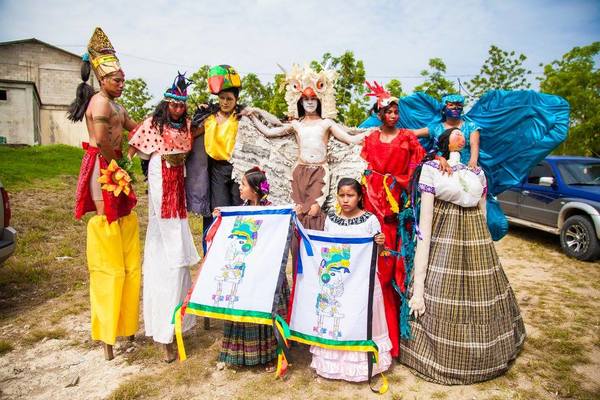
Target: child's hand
x=216, y=213
x=379, y=239
x=298, y=208
x=314, y=210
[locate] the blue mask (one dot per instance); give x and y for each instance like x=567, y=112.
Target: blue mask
x=455, y=113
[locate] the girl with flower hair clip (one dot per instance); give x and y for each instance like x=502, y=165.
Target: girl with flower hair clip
x=247, y=344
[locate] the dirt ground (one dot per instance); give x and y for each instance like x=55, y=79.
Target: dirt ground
x=46, y=351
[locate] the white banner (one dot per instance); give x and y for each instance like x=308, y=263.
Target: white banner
x=334, y=290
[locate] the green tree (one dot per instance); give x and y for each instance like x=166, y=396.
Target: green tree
x=436, y=84
x=135, y=98
x=198, y=93
x=350, y=86
x=254, y=93
x=276, y=103
x=501, y=70
x=395, y=88
x=576, y=78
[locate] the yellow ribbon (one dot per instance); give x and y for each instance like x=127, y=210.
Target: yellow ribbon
x=179, y=335
x=384, y=384
x=390, y=198
x=103, y=60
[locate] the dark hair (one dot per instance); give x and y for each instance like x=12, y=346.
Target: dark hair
x=233, y=90
x=353, y=183
x=255, y=177
x=442, y=146
x=83, y=95
x=374, y=110
x=161, y=116
x=302, y=112
x=443, y=142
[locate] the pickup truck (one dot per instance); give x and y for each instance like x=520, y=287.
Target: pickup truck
x=561, y=195
x=8, y=236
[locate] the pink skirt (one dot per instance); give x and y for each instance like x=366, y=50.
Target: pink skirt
x=352, y=365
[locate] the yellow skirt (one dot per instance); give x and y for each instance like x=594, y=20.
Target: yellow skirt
x=113, y=255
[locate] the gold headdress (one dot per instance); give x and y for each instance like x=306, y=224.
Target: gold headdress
x=307, y=81
x=102, y=55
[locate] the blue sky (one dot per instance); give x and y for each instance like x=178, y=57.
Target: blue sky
x=154, y=39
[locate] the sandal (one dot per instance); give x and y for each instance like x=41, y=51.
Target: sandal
x=270, y=367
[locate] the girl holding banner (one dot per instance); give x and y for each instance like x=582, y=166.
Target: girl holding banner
x=246, y=343
x=353, y=365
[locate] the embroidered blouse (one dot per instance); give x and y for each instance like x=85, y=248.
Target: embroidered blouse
x=464, y=187
x=365, y=224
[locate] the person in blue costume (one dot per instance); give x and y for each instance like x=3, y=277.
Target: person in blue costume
x=517, y=129
x=453, y=105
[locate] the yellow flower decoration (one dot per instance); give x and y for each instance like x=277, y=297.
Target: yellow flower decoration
x=115, y=179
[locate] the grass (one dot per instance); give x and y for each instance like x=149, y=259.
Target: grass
x=40, y=334
x=24, y=167
x=140, y=387
x=41, y=166
x=5, y=347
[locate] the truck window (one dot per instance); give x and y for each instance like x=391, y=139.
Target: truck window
x=540, y=170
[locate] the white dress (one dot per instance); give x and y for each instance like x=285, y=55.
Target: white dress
x=169, y=251
x=352, y=365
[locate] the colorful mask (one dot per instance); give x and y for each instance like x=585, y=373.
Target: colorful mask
x=307, y=82
x=101, y=55
x=453, y=112
x=246, y=230
x=453, y=98
x=223, y=77
x=335, y=260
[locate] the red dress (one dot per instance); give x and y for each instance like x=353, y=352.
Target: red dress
x=395, y=162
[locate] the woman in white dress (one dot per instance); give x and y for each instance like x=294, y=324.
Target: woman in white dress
x=353, y=365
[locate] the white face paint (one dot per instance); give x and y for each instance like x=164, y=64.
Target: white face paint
x=310, y=105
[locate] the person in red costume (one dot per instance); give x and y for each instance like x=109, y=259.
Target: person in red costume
x=392, y=155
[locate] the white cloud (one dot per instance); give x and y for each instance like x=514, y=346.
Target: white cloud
x=394, y=38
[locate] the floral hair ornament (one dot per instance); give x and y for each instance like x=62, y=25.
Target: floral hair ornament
x=384, y=98
x=264, y=187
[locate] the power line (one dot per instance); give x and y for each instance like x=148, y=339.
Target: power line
x=537, y=73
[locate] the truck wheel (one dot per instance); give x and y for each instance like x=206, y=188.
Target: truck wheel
x=578, y=239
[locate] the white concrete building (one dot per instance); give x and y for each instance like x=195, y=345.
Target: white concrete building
x=37, y=83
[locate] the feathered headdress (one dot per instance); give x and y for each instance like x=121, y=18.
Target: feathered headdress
x=384, y=98
x=178, y=91
x=306, y=81
x=101, y=55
